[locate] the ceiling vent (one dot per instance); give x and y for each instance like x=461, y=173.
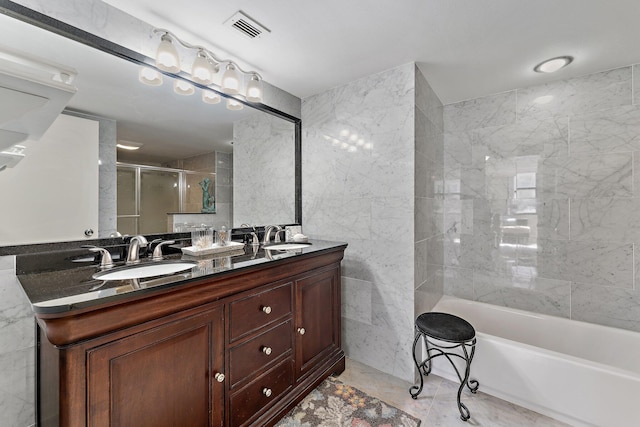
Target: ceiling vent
x=247, y=26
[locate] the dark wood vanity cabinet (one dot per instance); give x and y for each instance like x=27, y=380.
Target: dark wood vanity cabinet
x=236, y=350
x=162, y=376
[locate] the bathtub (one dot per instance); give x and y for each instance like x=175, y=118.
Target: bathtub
x=576, y=372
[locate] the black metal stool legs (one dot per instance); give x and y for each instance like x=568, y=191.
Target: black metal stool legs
x=435, y=350
x=464, y=411
x=421, y=368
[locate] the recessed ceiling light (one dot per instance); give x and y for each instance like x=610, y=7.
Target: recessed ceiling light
x=128, y=145
x=553, y=64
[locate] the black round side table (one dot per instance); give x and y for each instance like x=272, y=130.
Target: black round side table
x=452, y=333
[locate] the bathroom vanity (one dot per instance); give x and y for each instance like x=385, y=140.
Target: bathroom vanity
x=233, y=345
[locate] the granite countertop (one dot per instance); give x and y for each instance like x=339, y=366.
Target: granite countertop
x=65, y=289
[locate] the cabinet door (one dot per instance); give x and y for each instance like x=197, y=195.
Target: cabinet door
x=317, y=319
x=160, y=377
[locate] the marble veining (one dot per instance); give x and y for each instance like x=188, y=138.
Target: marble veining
x=544, y=138
x=539, y=211
x=17, y=382
x=579, y=95
x=608, y=131
x=263, y=146
x=493, y=110
x=616, y=307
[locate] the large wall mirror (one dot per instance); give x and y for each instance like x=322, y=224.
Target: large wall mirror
x=248, y=159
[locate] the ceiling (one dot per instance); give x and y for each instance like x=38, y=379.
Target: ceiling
x=465, y=48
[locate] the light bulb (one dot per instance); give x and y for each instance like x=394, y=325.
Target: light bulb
x=149, y=76
x=183, y=88
x=232, y=104
x=167, y=55
x=210, y=97
x=231, y=80
x=254, y=89
x=202, y=71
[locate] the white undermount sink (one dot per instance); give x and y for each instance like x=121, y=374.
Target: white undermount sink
x=144, y=270
x=286, y=246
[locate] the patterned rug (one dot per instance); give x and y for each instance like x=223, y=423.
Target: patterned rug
x=334, y=404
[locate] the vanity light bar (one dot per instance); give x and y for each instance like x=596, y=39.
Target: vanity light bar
x=204, y=67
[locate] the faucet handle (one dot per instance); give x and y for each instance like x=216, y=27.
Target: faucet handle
x=157, y=252
x=106, y=261
x=254, y=239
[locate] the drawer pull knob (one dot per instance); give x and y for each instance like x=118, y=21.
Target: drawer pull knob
x=267, y=392
x=266, y=350
x=219, y=377
x=266, y=309
x=301, y=331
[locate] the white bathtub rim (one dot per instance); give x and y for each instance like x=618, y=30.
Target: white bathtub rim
x=563, y=357
x=580, y=360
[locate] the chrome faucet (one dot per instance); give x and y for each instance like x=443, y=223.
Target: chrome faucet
x=135, y=244
x=106, y=261
x=157, y=251
x=267, y=233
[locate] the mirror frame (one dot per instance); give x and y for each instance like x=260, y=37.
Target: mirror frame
x=55, y=26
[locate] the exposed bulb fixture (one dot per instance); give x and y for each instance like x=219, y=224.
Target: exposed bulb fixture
x=554, y=64
x=167, y=58
x=202, y=70
x=231, y=80
x=232, y=104
x=254, y=89
x=149, y=76
x=183, y=88
x=210, y=97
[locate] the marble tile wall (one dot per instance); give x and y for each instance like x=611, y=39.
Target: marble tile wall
x=428, y=214
x=17, y=351
x=224, y=187
x=358, y=187
x=263, y=176
x=540, y=195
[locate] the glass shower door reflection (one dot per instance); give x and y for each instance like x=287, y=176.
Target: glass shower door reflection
x=127, y=193
x=159, y=195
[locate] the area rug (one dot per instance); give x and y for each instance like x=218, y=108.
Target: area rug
x=334, y=404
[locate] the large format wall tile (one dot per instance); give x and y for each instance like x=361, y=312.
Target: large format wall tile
x=17, y=388
x=614, y=130
x=524, y=292
x=599, y=263
x=458, y=282
x=428, y=102
x=605, y=175
x=356, y=299
x=548, y=200
x=493, y=110
x=544, y=138
x=359, y=186
x=579, y=95
x=616, y=307
x=609, y=219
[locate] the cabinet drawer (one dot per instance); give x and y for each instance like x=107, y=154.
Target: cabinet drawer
x=258, y=310
x=258, y=352
x=258, y=395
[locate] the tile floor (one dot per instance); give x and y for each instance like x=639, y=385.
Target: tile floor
x=436, y=405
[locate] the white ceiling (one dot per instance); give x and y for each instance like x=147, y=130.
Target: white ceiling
x=466, y=48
